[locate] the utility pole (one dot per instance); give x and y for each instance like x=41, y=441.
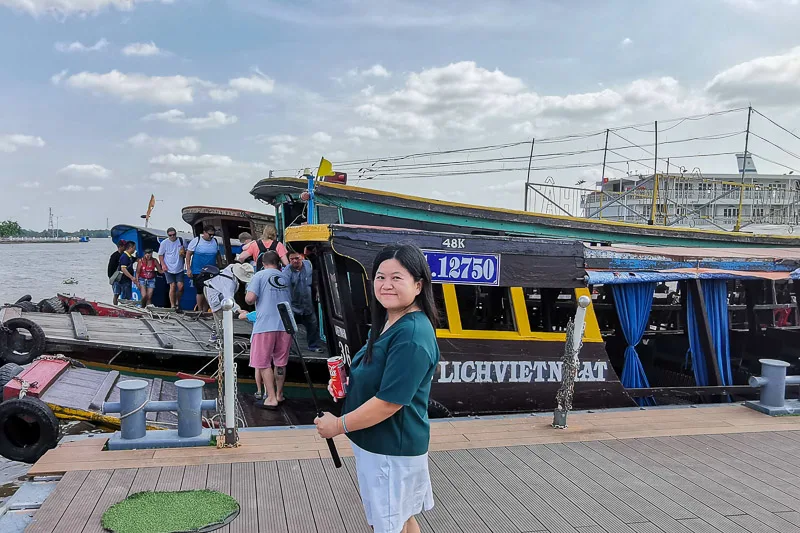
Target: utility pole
x=666, y=191
x=528, y=180
x=655, y=180
x=50, y=227
x=738, y=225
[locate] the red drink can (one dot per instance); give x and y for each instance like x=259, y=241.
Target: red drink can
x=336, y=370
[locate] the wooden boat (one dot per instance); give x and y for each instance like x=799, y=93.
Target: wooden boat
x=151, y=238
x=503, y=335
x=337, y=203
x=229, y=224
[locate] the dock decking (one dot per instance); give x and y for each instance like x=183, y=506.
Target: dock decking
x=709, y=469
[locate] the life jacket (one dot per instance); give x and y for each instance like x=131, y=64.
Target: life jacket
x=262, y=248
x=147, y=271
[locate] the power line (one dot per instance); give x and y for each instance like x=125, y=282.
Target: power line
x=793, y=134
x=776, y=146
x=774, y=162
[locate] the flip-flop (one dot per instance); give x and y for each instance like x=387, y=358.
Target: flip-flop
x=262, y=405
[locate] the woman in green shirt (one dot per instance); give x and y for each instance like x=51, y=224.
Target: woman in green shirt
x=385, y=414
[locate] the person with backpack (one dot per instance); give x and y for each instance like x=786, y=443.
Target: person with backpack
x=171, y=252
x=218, y=285
x=113, y=269
x=202, y=250
x=268, y=242
x=146, y=271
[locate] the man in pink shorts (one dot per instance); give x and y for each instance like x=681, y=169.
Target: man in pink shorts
x=269, y=343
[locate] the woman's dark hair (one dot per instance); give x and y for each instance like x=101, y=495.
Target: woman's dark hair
x=413, y=260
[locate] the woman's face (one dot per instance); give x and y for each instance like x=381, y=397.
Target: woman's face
x=394, y=286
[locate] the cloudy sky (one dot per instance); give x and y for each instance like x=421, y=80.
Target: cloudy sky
x=103, y=102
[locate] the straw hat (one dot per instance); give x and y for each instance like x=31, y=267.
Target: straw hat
x=243, y=271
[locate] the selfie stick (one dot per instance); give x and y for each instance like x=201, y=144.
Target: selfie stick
x=287, y=316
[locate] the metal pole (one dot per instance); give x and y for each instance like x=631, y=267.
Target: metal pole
x=666, y=191
x=655, y=181
x=738, y=225
x=609, y=204
x=231, y=435
x=310, y=217
x=528, y=180
x=605, y=151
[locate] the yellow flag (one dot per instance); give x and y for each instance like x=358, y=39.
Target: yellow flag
x=151, y=205
x=325, y=168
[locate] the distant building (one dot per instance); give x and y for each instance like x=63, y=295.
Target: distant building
x=698, y=200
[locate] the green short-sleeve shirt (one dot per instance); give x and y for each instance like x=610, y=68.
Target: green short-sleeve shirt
x=404, y=359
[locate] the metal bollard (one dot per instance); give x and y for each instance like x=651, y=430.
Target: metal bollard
x=134, y=406
x=772, y=383
x=132, y=395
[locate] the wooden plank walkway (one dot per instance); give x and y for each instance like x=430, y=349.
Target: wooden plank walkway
x=736, y=483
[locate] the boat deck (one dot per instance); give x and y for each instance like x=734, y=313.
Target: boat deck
x=710, y=469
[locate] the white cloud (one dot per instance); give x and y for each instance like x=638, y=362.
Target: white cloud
x=170, y=178
x=80, y=47
x=760, y=5
x=30, y=185
x=223, y=95
x=769, y=79
x=375, y=71
x=192, y=161
x=91, y=170
x=627, y=41
x=465, y=98
x=361, y=131
x=321, y=137
x=168, y=90
x=280, y=139
x=55, y=79
x=94, y=188
x=254, y=84
x=71, y=188
x=142, y=49
x=281, y=149
x=72, y=7
x=212, y=120
x=11, y=143
x=183, y=144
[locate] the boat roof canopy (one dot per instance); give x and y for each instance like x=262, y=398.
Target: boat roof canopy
x=521, y=261
x=194, y=213
x=641, y=264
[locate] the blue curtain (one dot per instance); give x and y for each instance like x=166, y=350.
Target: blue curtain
x=633, y=302
x=715, y=293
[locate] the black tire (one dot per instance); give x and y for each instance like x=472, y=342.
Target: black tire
x=26, y=298
x=84, y=308
x=28, y=428
x=8, y=371
x=52, y=305
x=17, y=349
x=27, y=307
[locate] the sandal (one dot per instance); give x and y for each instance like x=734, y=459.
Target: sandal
x=258, y=396
x=262, y=405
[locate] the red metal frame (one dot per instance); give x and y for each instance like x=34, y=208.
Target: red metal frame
x=43, y=373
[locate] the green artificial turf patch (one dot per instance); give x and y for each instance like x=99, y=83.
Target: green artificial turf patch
x=170, y=512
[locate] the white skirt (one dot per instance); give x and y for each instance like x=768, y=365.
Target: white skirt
x=393, y=488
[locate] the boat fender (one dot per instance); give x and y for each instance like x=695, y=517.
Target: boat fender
x=84, y=308
x=8, y=371
x=27, y=307
x=14, y=343
x=52, y=305
x=28, y=428
x=26, y=298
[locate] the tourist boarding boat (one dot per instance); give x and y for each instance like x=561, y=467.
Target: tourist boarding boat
x=505, y=302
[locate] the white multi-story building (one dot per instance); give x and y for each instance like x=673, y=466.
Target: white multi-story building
x=699, y=200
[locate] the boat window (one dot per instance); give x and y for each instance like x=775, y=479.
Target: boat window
x=330, y=270
x=438, y=298
x=549, y=309
x=485, y=308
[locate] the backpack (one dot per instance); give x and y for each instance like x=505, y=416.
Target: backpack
x=207, y=273
x=262, y=248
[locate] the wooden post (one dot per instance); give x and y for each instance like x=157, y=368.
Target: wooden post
x=706, y=339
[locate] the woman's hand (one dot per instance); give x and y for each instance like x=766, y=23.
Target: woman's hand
x=330, y=387
x=328, y=425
